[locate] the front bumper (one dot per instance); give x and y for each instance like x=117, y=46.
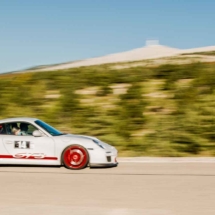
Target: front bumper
x=104, y=165
x=103, y=158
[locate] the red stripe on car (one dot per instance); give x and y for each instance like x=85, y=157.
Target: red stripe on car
x=26, y=157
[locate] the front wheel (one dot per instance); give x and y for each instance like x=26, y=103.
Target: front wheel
x=75, y=157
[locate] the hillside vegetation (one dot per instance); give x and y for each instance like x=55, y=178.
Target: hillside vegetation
x=160, y=111
x=212, y=53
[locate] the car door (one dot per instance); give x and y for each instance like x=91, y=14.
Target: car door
x=29, y=149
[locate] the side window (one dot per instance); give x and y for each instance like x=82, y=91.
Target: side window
x=6, y=128
x=31, y=129
x=26, y=128
x=2, y=129
x=17, y=128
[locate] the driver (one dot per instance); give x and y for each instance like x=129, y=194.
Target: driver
x=17, y=131
x=24, y=128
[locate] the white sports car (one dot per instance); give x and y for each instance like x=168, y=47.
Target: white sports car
x=29, y=141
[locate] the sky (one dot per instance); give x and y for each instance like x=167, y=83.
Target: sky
x=44, y=32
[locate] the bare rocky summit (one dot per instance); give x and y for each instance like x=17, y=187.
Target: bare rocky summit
x=148, y=52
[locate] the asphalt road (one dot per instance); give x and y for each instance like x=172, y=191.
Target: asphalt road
x=129, y=189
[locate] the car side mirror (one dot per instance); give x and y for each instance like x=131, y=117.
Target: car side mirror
x=37, y=133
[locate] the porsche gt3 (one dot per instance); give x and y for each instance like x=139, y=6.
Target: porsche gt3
x=30, y=141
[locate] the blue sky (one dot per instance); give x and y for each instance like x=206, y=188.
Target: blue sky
x=37, y=32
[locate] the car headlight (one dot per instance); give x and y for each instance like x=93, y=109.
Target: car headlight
x=98, y=143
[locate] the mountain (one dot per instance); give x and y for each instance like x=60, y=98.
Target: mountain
x=148, y=52
x=152, y=51
x=198, y=50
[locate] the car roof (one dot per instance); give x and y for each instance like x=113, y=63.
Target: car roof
x=25, y=119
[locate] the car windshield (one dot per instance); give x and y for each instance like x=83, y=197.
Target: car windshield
x=48, y=128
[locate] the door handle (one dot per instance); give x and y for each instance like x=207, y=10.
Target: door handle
x=9, y=141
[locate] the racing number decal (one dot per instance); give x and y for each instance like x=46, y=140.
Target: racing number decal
x=22, y=145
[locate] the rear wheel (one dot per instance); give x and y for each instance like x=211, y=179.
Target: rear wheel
x=75, y=157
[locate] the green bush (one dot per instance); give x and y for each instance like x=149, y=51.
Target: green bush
x=175, y=118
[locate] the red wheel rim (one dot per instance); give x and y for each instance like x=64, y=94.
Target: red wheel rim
x=75, y=157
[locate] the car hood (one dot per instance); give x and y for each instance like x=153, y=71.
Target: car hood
x=106, y=146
